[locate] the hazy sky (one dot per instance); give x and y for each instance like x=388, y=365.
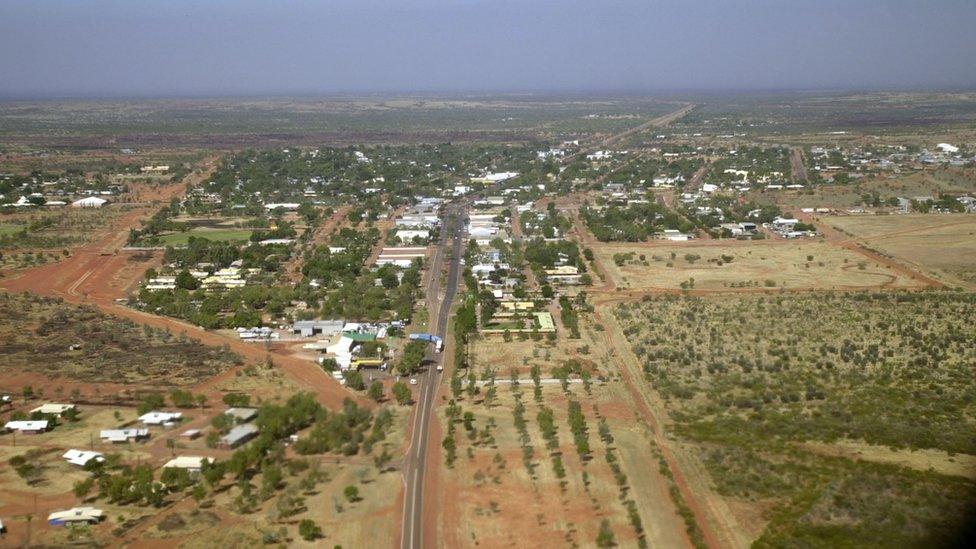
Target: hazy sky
x=200, y=47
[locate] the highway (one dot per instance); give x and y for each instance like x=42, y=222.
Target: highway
x=415, y=462
x=453, y=216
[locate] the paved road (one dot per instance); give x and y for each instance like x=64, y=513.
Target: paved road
x=415, y=462
x=414, y=468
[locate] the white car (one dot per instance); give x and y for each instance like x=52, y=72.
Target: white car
x=413, y=381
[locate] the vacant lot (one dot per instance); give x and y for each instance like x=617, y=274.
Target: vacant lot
x=773, y=393
x=54, y=229
x=764, y=264
x=942, y=245
x=48, y=337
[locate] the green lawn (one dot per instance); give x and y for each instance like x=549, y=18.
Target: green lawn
x=229, y=235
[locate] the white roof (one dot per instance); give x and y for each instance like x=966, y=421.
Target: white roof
x=90, y=201
x=26, y=425
x=82, y=457
x=157, y=418
x=76, y=514
x=121, y=435
x=53, y=408
x=187, y=462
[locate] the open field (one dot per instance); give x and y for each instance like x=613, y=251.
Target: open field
x=55, y=229
x=759, y=264
x=941, y=245
x=805, y=409
x=38, y=332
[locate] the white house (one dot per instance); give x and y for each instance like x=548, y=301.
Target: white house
x=785, y=224
x=82, y=457
x=160, y=418
x=27, y=427
x=947, y=148
x=123, y=435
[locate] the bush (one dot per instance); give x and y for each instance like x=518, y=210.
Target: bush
x=308, y=530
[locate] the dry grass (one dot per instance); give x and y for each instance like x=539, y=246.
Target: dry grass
x=943, y=245
x=770, y=264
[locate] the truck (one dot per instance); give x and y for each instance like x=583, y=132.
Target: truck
x=430, y=338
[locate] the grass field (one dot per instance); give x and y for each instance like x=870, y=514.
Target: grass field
x=763, y=264
x=226, y=235
x=942, y=245
x=806, y=409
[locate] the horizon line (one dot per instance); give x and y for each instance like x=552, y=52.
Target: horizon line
x=487, y=93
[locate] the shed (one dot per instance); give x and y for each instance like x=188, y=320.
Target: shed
x=239, y=435
x=309, y=328
x=193, y=464
x=242, y=415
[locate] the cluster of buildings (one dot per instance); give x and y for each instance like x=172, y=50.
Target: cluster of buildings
x=487, y=225
x=421, y=221
x=234, y=276
x=342, y=341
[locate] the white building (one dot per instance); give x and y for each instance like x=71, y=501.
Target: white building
x=160, y=418
x=90, y=202
x=193, y=464
x=27, y=427
x=53, y=409
x=76, y=515
x=123, y=435
x=82, y=457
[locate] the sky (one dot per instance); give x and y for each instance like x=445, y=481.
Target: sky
x=126, y=48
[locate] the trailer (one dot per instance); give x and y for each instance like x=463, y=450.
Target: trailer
x=430, y=338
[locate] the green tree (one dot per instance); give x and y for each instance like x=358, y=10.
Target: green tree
x=186, y=281
x=351, y=493
x=375, y=391
x=354, y=380
x=605, y=538
x=151, y=402
x=402, y=393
